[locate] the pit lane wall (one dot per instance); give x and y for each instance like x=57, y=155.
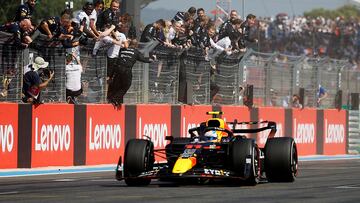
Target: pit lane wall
x=74, y=135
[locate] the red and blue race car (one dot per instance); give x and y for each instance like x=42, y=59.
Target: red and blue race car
x=213, y=151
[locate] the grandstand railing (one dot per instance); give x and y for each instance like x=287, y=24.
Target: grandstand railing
x=275, y=77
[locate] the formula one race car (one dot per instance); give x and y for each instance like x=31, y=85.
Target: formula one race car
x=213, y=151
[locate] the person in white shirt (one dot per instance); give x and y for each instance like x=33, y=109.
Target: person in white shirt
x=117, y=40
x=99, y=7
x=84, y=15
x=73, y=70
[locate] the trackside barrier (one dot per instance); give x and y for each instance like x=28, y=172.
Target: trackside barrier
x=74, y=135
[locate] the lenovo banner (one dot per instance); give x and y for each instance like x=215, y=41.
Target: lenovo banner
x=241, y=113
x=271, y=114
x=8, y=135
x=105, y=127
x=52, y=135
x=154, y=122
x=192, y=116
x=335, y=133
x=304, y=130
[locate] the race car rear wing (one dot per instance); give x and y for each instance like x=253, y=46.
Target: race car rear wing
x=270, y=126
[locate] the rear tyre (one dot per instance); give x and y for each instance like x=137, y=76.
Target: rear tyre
x=281, y=159
x=138, y=158
x=244, y=160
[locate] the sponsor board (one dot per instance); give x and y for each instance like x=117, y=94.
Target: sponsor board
x=241, y=113
x=105, y=127
x=271, y=114
x=8, y=135
x=52, y=135
x=304, y=130
x=154, y=122
x=334, y=132
x=192, y=116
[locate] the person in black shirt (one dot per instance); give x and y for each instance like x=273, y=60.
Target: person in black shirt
x=180, y=16
x=25, y=11
x=32, y=82
x=109, y=17
x=121, y=81
x=245, y=30
x=233, y=32
x=50, y=27
x=152, y=31
x=228, y=24
x=18, y=29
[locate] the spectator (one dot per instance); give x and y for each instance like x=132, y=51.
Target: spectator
x=116, y=40
x=19, y=30
x=295, y=103
x=245, y=30
x=321, y=95
x=73, y=70
x=200, y=12
x=228, y=23
x=109, y=17
x=99, y=7
x=122, y=78
x=180, y=16
x=233, y=33
x=25, y=11
x=83, y=17
x=127, y=27
x=51, y=27
x=152, y=31
x=33, y=84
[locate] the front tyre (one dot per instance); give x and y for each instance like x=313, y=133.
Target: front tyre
x=244, y=159
x=138, y=158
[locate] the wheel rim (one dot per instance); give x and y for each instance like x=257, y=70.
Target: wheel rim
x=294, y=160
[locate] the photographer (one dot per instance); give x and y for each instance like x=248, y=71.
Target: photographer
x=33, y=83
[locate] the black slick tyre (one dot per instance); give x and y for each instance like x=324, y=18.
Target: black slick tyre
x=244, y=160
x=281, y=159
x=138, y=158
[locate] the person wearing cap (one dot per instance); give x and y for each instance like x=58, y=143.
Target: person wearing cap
x=33, y=84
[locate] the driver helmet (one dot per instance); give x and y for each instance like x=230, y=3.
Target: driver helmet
x=211, y=135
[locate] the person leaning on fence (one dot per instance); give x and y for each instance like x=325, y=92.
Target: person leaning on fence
x=116, y=40
x=33, y=83
x=152, y=31
x=73, y=71
x=122, y=78
x=98, y=9
x=19, y=30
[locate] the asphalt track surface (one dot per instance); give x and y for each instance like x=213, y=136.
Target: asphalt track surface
x=318, y=181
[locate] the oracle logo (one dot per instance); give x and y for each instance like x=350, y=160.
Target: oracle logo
x=156, y=131
x=186, y=127
x=6, y=138
x=334, y=133
x=263, y=135
x=304, y=132
x=52, y=137
x=104, y=136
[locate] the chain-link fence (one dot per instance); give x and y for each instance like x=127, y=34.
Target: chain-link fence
x=11, y=63
x=178, y=74
x=276, y=77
